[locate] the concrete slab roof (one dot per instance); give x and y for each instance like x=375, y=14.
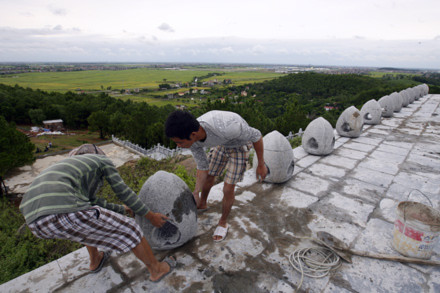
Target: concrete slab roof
x=352, y=194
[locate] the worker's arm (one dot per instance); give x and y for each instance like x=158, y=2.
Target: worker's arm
x=200, y=181
x=261, y=170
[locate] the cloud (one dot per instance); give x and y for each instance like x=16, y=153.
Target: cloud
x=58, y=44
x=57, y=11
x=165, y=27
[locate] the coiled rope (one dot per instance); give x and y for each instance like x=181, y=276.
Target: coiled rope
x=314, y=262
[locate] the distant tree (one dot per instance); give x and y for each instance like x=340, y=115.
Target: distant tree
x=16, y=149
x=164, y=86
x=99, y=121
x=118, y=124
x=37, y=116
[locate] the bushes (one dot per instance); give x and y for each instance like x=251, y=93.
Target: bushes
x=23, y=252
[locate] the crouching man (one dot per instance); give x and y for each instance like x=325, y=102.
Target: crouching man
x=230, y=139
x=61, y=203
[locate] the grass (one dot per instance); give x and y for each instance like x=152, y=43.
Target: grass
x=161, y=101
x=380, y=74
x=67, y=142
x=147, y=78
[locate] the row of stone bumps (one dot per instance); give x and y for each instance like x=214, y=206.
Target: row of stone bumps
x=168, y=194
x=318, y=138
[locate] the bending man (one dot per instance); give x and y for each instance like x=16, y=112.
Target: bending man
x=230, y=139
x=61, y=203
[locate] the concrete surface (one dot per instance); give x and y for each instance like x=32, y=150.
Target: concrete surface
x=351, y=193
x=18, y=183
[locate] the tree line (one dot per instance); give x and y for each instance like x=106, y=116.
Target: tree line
x=284, y=104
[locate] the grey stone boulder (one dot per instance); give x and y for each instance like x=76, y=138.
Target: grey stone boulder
x=167, y=194
x=415, y=93
x=387, y=106
x=278, y=156
x=411, y=94
x=397, y=101
x=371, y=111
x=350, y=123
x=318, y=138
x=425, y=89
x=421, y=90
x=405, y=98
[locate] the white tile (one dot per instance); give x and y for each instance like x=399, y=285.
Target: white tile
x=309, y=184
x=372, y=177
x=326, y=171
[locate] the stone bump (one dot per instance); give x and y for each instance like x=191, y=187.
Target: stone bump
x=350, y=123
x=278, y=156
x=411, y=95
x=425, y=89
x=371, y=111
x=318, y=138
x=405, y=98
x=397, y=101
x=414, y=94
x=387, y=106
x=167, y=194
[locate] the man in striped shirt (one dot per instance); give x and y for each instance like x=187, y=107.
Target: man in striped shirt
x=62, y=203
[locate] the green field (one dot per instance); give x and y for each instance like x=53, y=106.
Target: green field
x=148, y=78
x=381, y=74
x=160, y=101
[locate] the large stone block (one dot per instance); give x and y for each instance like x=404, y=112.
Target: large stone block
x=166, y=193
x=387, y=106
x=397, y=101
x=371, y=111
x=318, y=138
x=350, y=123
x=278, y=156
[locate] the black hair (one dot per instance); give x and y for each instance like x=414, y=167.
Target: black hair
x=181, y=124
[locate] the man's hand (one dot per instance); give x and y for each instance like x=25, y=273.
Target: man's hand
x=157, y=219
x=261, y=172
x=128, y=211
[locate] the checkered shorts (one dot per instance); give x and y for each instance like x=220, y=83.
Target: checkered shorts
x=233, y=159
x=96, y=227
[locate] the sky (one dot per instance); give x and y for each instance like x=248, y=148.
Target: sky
x=377, y=33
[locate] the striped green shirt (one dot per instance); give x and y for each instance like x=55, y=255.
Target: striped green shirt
x=71, y=185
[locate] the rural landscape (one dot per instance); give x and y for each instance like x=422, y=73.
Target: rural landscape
x=132, y=102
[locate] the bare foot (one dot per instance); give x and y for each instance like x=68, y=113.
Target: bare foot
x=95, y=262
x=202, y=205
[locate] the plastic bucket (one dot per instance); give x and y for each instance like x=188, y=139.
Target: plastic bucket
x=416, y=229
